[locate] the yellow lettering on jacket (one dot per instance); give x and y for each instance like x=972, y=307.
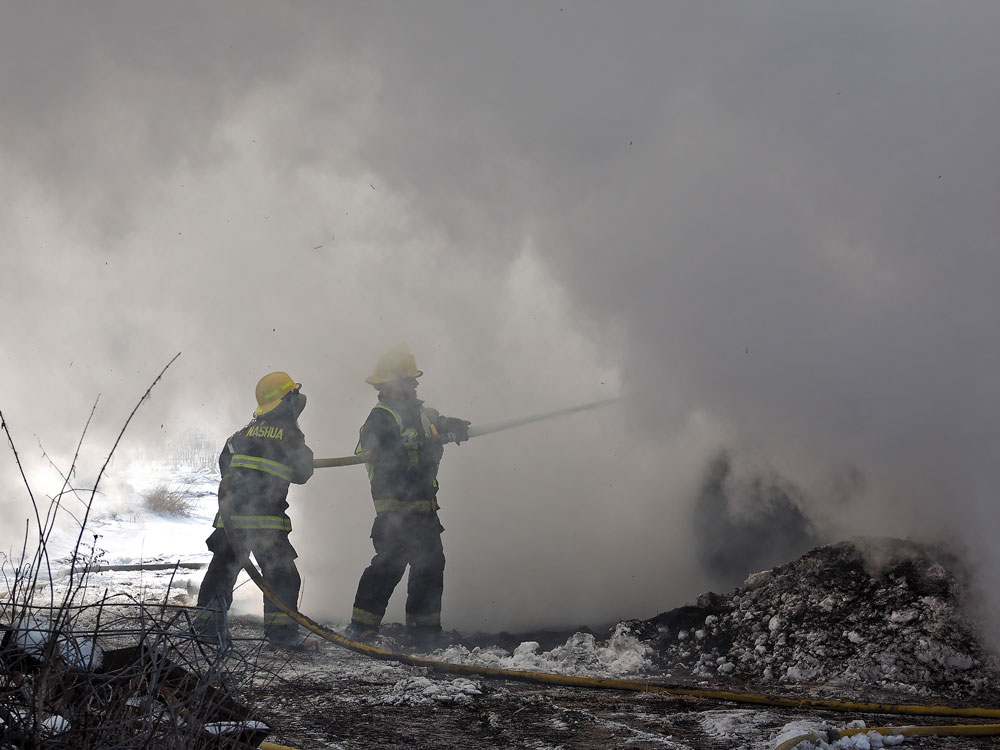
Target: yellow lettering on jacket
x=274, y=433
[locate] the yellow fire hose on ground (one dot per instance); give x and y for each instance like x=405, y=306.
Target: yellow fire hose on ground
x=546, y=678
x=608, y=683
x=641, y=686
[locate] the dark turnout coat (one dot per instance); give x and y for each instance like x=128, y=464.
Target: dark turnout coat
x=257, y=465
x=405, y=455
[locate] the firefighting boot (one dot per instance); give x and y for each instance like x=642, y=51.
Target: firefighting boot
x=360, y=633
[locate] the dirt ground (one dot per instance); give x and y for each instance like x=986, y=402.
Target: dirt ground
x=327, y=697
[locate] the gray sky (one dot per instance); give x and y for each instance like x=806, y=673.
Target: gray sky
x=771, y=225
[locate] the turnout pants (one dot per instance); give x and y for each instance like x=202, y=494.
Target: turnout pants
x=276, y=557
x=400, y=539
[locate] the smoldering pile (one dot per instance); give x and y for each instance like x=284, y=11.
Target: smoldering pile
x=882, y=614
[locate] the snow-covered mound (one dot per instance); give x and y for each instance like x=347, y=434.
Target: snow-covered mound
x=621, y=655
x=877, y=612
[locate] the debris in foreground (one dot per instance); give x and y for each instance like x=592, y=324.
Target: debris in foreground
x=60, y=689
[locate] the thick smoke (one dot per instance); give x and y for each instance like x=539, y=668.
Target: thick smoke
x=771, y=227
x=746, y=523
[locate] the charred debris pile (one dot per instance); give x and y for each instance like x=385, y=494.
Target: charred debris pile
x=879, y=614
x=119, y=675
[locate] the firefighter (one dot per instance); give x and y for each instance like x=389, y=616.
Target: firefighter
x=257, y=465
x=406, y=442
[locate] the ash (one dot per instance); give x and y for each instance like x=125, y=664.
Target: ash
x=872, y=615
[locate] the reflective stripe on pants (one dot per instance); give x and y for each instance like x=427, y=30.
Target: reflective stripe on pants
x=423, y=621
x=391, y=504
x=255, y=523
x=365, y=617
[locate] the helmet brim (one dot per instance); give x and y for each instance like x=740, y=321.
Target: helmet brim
x=376, y=380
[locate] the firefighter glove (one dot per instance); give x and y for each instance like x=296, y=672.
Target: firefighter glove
x=457, y=428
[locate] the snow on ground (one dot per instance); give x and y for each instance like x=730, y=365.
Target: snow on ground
x=582, y=655
x=734, y=724
x=33, y=634
x=417, y=691
x=122, y=531
x=129, y=533
x=861, y=741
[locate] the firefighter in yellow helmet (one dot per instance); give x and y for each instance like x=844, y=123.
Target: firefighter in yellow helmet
x=406, y=442
x=257, y=464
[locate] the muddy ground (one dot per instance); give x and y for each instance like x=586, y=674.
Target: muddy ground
x=327, y=697
x=874, y=621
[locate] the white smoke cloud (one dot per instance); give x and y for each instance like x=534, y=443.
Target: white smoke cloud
x=772, y=228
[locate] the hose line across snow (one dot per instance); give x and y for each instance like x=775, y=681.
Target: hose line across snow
x=955, y=730
x=602, y=683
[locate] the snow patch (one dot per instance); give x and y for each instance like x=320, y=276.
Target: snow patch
x=33, y=636
x=228, y=727
x=581, y=655
x=419, y=691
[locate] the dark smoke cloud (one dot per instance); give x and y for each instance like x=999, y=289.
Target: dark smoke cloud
x=749, y=522
x=771, y=225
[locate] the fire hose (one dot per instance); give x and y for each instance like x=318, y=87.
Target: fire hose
x=474, y=431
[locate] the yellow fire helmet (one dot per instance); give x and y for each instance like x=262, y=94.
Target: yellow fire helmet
x=271, y=389
x=395, y=364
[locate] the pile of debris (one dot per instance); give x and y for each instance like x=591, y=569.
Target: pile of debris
x=883, y=614
x=63, y=688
